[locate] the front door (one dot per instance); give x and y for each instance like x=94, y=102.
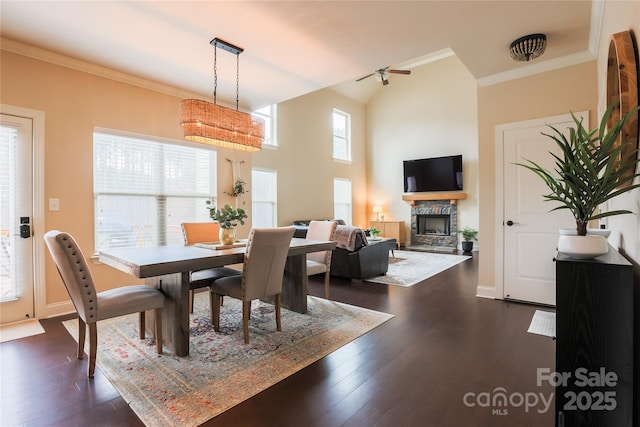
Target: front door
x=16, y=214
x=530, y=231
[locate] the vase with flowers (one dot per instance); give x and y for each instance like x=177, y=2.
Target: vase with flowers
x=228, y=218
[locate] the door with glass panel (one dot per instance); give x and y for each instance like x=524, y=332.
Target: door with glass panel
x=16, y=213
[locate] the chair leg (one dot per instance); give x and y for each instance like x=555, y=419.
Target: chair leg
x=214, y=301
x=326, y=284
x=158, y=318
x=82, y=331
x=278, y=322
x=141, y=324
x=246, y=311
x=93, y=347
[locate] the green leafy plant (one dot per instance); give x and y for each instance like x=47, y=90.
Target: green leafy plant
x=591, y=169
x=238, y=188
x=374, y=231
x=469, y=234
x=226, y=216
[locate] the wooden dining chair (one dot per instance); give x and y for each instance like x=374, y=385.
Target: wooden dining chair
x=93, y=306
x=320, y=262
x=262, y=275
x=204, y=232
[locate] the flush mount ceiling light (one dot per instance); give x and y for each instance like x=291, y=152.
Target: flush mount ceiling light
x=214, y=124
x=528, y=47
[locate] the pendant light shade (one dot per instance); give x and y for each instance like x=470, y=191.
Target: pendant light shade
x=212, y=124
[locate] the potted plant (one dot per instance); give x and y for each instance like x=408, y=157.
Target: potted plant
x=592, y=169
x=374, y=233
x=238, y=188
x=228, y=218
x=468, y=236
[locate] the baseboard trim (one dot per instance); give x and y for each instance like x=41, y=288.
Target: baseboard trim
x=486, y=292
x=59, y=309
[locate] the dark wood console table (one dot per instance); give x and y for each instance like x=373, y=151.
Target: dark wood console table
x=595, y=340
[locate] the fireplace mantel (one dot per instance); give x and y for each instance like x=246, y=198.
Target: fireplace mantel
x=412, y=198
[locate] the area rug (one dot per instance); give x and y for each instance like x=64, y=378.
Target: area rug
x=221, y=371
x=406, y=268
x=22, y=329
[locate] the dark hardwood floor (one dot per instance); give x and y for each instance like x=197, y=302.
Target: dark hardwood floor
x=415, y=370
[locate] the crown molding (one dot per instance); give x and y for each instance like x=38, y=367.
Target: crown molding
x=87, y=67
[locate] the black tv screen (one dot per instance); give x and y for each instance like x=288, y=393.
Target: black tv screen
x=433, y=174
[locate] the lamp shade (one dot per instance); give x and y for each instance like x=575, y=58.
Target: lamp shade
x=377, y=209
x=213, y=124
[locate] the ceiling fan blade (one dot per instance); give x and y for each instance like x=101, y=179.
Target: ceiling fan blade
x=406, y=72
x=362, y=78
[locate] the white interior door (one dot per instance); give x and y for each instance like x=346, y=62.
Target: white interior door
x=530, y=231
x=16, y=213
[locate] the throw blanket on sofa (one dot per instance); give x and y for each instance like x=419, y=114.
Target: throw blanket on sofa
x=345, y=236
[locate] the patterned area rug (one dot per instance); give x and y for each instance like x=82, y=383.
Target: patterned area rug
x=221, y=371
x=407, y=268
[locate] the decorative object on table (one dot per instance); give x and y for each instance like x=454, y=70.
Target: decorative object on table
x=468, y=236
x=374, y=232
x=214, y=124
x=528, y=47
x=592, y=169
x=173, y=391
x=228, y=218
x=376, y=210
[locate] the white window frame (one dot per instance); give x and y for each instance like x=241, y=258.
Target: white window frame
x=347, y=205
x=338, y=138
x=165, y=226
x=270, y=116
x=272, y=203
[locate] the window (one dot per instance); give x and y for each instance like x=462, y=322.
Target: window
x=342, y=199
x=269, y=115
x=264, y=192
x=145, y=187
x=341, y=135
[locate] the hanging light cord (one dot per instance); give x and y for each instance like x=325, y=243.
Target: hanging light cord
x=215, y=72
x=237, y=79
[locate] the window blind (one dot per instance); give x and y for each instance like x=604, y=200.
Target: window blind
x=145, y=188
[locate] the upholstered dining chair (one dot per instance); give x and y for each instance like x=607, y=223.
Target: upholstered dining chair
x=320, y=262
x=204, y=232
x=262, y=275
x=93, y=306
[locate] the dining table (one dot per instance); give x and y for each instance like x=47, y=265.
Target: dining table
x=168, y=269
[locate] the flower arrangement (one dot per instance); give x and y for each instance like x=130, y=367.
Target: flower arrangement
x=226, y=216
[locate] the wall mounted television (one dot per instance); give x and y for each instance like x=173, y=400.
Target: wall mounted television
x=433, y=174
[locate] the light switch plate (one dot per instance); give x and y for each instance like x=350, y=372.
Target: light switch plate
x=54, y=205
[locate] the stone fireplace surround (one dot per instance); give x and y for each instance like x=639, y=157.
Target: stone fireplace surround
x=435, y=204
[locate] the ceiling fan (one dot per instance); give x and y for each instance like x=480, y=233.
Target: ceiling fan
x=383, y=74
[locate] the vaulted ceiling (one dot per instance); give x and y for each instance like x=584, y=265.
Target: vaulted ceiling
x=295, y=47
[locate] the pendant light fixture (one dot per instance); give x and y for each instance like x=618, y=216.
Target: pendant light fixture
x=209, y=123
x=528, y=47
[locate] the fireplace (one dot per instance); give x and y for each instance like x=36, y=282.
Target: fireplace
x=433, y=224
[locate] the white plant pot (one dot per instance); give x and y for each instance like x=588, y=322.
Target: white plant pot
x=595, y=231
x=582, y=247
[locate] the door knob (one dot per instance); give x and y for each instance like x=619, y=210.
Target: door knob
x=510, y=223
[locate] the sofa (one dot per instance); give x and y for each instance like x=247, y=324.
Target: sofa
x=361, y=259
x=301, y=226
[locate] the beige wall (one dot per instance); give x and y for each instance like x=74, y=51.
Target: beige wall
x=625, y=229
x=304, y=160
x=433, y=112
x=542, y=95
x=74, y=102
